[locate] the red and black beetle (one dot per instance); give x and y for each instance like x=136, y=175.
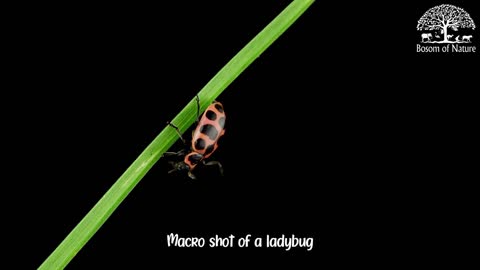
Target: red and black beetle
x=210, y=127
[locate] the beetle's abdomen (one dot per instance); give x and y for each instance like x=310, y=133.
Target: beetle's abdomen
x=210, y=128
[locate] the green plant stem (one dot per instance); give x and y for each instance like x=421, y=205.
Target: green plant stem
x=90, y=224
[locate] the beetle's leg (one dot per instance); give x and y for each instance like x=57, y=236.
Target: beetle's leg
x=178, y=132
x=198, y=108
x=210, y=163
x=169, y=154
x=198, y=113
x=191, y=175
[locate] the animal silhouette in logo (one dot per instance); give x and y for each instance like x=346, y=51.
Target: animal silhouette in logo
x=467, y=38
x=427, y=37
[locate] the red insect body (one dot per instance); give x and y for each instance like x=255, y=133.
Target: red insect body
x=210, y=128
x=205, y=137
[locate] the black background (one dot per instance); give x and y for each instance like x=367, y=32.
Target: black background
x=339, y=131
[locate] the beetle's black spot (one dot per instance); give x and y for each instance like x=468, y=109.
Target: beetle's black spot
x=194, y=158
x=221, y=122
x=211, y=115
x=210, y=131
x=200, y=144
x=209, y=149
x=219, y=107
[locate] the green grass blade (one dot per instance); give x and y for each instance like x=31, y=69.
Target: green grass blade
x=90, y=224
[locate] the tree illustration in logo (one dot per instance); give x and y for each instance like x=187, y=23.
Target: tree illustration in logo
x=443, y=18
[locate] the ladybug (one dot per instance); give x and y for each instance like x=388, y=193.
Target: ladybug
x=210, y=128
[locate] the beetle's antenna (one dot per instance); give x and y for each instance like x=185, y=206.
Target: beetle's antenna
x=173, y=165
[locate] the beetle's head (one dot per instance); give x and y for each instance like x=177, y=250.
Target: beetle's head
x=178, y=166
x=191, y=160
